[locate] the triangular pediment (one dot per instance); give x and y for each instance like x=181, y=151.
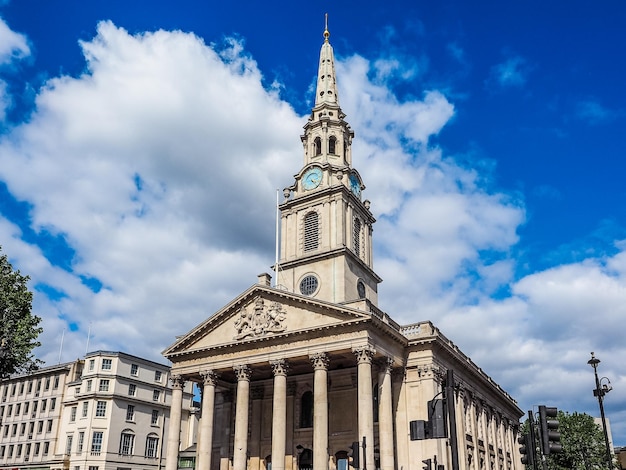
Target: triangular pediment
x=262, y=314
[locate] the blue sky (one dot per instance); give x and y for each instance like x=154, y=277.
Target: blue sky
x=489, y=135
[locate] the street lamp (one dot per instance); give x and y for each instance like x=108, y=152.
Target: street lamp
x=600, y=391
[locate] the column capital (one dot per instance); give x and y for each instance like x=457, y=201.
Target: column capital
x=364, y=354
x=177, y=381
x=209, y=377
x=243, y=372
x=320, y=361
x=280, y=366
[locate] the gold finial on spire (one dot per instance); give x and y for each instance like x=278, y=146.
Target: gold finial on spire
x=326, y=32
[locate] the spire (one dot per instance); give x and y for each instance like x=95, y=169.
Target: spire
x=326, y=92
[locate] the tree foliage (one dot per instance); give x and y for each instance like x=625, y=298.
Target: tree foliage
x=583, y=444
x=18, y=326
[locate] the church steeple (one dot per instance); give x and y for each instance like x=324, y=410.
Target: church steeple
x=326, y=91
x=326, y=228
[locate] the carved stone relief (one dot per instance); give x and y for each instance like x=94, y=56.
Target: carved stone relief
x=260, y=320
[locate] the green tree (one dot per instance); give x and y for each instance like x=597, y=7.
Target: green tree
x=583, y=444
x=18, y=326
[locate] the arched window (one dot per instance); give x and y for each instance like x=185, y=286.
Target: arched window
x=127, y=442
x=356, y=241
x=306, y=410
x=311, y=231
x=332, y=143
x=152, y=446
x=318, y=146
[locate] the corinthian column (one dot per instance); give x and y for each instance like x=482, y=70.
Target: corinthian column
x=173, y=434
x=205, y=444
x=279, y=414
x=365, y=400
x=241, y=417
x=320, y=411
x=385, y=416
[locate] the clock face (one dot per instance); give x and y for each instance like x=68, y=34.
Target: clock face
x=312, y=178
x=355, y=186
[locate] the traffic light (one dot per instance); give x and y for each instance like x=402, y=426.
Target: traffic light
x=527, y=449
x=550, y=436
x=428, y=464
x=437, y=420
x=354, y=458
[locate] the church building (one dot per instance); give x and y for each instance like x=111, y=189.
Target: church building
x=307, y=373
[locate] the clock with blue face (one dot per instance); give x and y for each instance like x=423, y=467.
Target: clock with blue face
x=312, y=178
x=355, y=186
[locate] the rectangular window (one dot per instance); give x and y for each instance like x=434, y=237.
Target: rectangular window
x=14, y=430
x=152, y=445
x=36, y=451
x=26, y=406
x=93, y=467
x=18, y=408
x=155, y=417
x=106, y=364
x=130, y=413
x=44, y=402
x=73, y=413
x=89, y=385
x=132, y=390
x=126, y=444
x=9, y=410
x=39, y=427
x=157, y=376
x=68, y=444
x=6, y=430
x=155, y=395
x=46, y=447
x=34, y=407
x=30, y=386
x=10, y=451
x=134, y=370
x=53, y=403
x=13, y=387
x=49, y=426
x=31, y=429
x=85, y=408
x=101, y=409
x=2, y=450
x=19, y=450
x=104, y=385
x=56, y=382
x=92, y=364
x=1, y=411
x=38, y=388
x=81, y=442
x=47, y=386
x=22, y=429
x=22, y=388
x=27, y=452
x=96, y=442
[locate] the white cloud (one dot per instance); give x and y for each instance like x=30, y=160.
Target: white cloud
x=159, y=167
x=513, y=72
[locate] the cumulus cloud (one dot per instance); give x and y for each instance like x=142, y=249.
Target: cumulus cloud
x=158, y=168
x=593, y=112
x=513, y=72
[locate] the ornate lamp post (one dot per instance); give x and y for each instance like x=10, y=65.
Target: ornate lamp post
x=600, y=391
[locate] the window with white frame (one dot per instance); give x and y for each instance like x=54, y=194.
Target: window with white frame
x=104, y=385
x=130, y=413
x=96, y=442
x=81, y=442
x=127, y=442
x=155, y=417
x=68, y=444
x=46, y=448
x=107, y=364
x=152, y=445
x=134, y=370
x=155, y=395
x=89, y=383
x=101, y=409
x=85, y=409
x=157, y=376
x=92, y=364
x=73, y=413
x=132, y=390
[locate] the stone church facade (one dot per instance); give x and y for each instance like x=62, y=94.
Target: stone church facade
x=292, y=374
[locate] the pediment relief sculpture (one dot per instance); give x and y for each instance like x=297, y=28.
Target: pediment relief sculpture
x=260, y=320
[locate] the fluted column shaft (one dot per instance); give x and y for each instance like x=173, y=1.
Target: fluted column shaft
x=320, y=411
x=205, y=444
x=385, y=417
x=279, y=414
x=366, y=403
x=241, y=417
x=173, y=434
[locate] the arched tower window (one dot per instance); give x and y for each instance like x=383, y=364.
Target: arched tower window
x=356, y=241
x=317, y=143
x=332, y=144
x=311, y=231
x=306, y=410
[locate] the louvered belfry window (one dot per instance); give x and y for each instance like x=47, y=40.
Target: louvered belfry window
x=357, y=237
x=311, y=232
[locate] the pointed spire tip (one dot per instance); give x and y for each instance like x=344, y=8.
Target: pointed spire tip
x=326, y=32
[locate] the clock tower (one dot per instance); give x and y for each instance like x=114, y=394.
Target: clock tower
x=326, y=226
